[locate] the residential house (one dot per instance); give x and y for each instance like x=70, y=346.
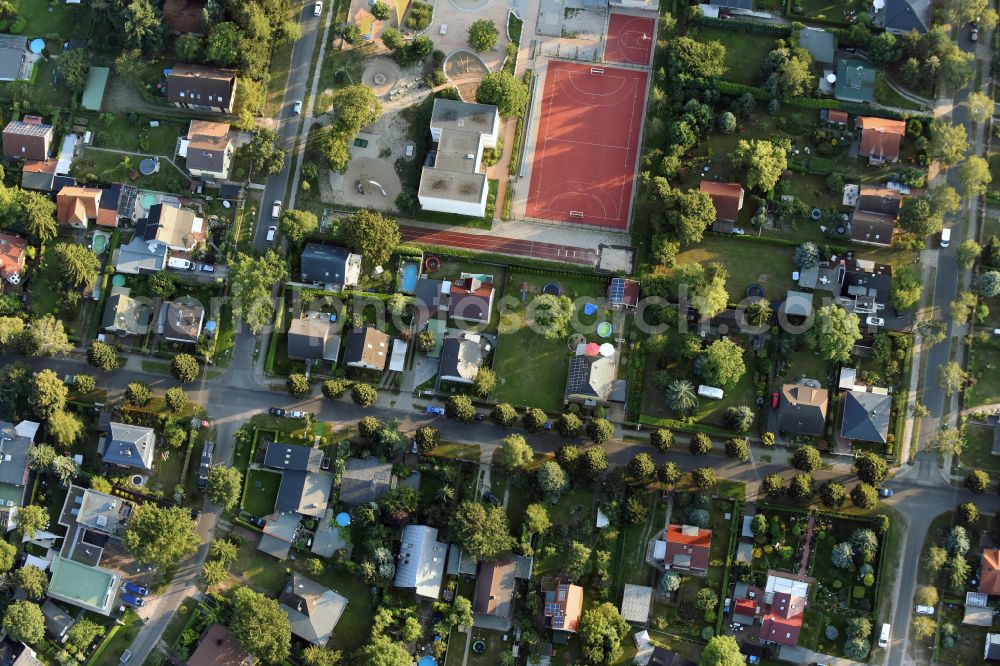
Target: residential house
x=977, y=610
x=208, y=150
x=429, y=299
x=117, y=201
x=685, y=548
x=367, y=348
x=821, y=44
x=77, y=206
x=57, y=621
x=420, y=565
x=278, y=534
x=313, y=610
x=140, y=257
x=875, y=214
x=38, y=175
x=180, y=229
x=785, y=602
x=591, y=375
x=92, y=519
x=881, y=139
x=726, y=197
x=330, y=266
x=202, y=88
x=992, y=650
x=461, y=356
x=313, y=337
x=664, y=657
x=471, y=298
x=866, y=416
x=802, y=410
x=129, y=446
x=13, y=253
x=855, y=81
x=181, y=320
x=834, y=117
x=637, y=600
x=866, y=287
x=623, y=293
x=364, y=480
x=562, y=606
x=89, y=587
x=304, y=489
x=218, y=647
x=14, y=58
x=451, y=181
x=901, y=17
x=184, y=16
x=15, y=442
x=14, y=653
x=494, y=593
x=125, y=315
x=989, y=572
x=28, y=139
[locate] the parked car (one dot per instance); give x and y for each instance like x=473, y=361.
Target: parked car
x=479, y=417
x=206, y=464
x=297, y=107
x=256, y=522
x=296, y=415
x=875, y=321
x=738, y=231
x=276, y=411
x=491, y=498
x=126, y=657
x=137, y=602
x=318, y=8
x=271, y=231
x=195, y=513
x=207, y=268
x=974, y=32
x=439, y=411
x=886, y=492
x=924, y=610
x=775, y=399
x=325, y=465
x=132, y=588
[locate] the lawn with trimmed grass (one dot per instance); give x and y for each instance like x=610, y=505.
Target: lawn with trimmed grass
x=457, y=451
x=984, y=366
x=745, y=52
x=99, y=166
x=977, y=452
x=109, y=653
x=742, y=257
x=261, y=492
x=139, y=137
x=826, y=10
x=49, y=18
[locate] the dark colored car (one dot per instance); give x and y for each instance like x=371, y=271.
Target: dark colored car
x=195, y=513
x=491, y=498
x=256, y=522
x=886, y=492
x=276, y=411
x=479, y=417
x=133, y=601
x=206, y=464
x=132, y=588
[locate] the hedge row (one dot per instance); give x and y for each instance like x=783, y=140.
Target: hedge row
x=746, y=25
x=736, y=89
x=523, y=264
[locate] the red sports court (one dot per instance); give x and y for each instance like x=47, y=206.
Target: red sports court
x=629, y=40
x=588, y=138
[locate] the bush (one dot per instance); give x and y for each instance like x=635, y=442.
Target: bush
x=831, y=633
x=297, y=385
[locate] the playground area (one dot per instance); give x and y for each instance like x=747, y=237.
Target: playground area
x=584, y=158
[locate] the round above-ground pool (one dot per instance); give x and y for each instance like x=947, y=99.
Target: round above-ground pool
x=479, y=646
x=37, y=45
x=432, y=264
x=148, y=200
x=147, y=167
x=552, y=289
x=604, y=329
x=118, y=280
x=589, y=308
x=343, y=519
x=755, y=291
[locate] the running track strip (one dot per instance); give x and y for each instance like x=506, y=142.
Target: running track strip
x=500, y=245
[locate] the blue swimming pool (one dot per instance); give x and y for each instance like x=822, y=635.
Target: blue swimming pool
x=409, y=281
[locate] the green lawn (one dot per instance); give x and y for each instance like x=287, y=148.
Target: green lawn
x=827, y=10
x=457, y=450
x=742, y=257
x=94, y=166
x=45, y=284
x=984, y=366
x=339, y=69
x=44, y=18
x=495, y=646
x=109, y=653
x=745, y=52
x=977, y=451
x=139, y=137
x=261, y=492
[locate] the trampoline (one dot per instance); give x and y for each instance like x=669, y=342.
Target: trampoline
x=604, y=329
x=432, y=264
x=147, y=167
x=551, y=289
x=118, y=280
x=479, y=646
x=210, y=326
x=37, y=46
x=343, y=519
x=589, y=309
x=815, y=213
x=148, y=200
x=755, y=291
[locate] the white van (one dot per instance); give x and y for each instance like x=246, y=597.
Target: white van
x=711, y=392
x=179, y=264
x=883, y=639
x=276, y=210
x=945, y=237
x=924, y=610
x=270, y=234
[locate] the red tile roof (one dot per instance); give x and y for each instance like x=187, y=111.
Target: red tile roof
x=686, y=540
x=564, y=606
x=777, y=629
x=837, y=117
x=727, y=197
x=989, y=580
x=746, y=607
x=881, y=137
x=11, y=255
x=77, y=205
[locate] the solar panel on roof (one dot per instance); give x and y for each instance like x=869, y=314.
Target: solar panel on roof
x=617, y=291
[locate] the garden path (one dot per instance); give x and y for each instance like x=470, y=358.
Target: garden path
x=803, y=567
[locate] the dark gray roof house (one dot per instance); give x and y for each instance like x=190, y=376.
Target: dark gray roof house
x=293, y=457
x=802, y=410
x=327, y=264
x=182, y=321
x=313, y=338
x=57, y=620
x=14, y=445
x=460, y=358
x=306, y=493
x=866, y=416
x=366, y=348
x=313, y=610
x=364, y=480
x=820, y=43
x=129, y=446
x=903, y=16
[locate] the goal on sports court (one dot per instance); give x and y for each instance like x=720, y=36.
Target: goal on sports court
x=576, y=214
x=597, y=70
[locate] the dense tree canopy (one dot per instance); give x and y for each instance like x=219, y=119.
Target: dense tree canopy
x=482, y=531
x=161, y=536
x=260, y=625
x=251, y=280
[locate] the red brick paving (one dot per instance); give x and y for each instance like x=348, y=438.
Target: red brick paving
x=500, y=245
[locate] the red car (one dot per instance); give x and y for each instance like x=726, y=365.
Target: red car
x=775, y=399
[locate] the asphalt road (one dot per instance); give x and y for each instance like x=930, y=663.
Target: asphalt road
x=288, y=122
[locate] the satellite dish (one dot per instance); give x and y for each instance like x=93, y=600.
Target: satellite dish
x=831, y=78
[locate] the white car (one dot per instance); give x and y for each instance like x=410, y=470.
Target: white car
x=738, y=231
x=297, y=107
x=271, y=231
x=924, y=610
x=318, y=8
x=875, y=321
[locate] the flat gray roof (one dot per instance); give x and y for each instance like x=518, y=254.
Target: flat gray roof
x=454, y=174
